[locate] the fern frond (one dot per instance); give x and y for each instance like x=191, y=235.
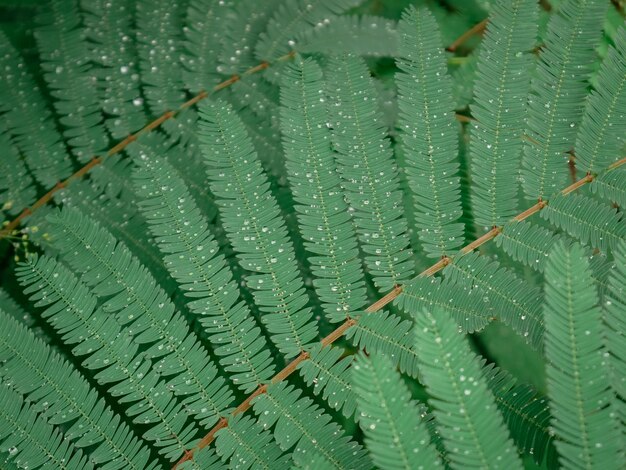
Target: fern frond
x=205, y=459
x=473, y=429
x=192, y=257
x=248, y=444
x=63, y=396
x=600, y=138
x=501, y=86
x=558, y=94
x=526, y=414
x=144, y=309
x=30, y=441
x=71, y=310
x=159, y=24
x=329, y=373
x=578, y=390
x=528, y=243
x=63, y=49
x=614, y=329
x=428, y=133
x=466, y=305
x=108, y=25
x=292, y=20
x=591, y=222
x=369, y=174
x=387, y=334
x=322, y=212
x=253, y=224
x=28, y=120
x=395, y=435
x=17, y=189
x=611, y=186
x=206, y=21
x=505, y=295
x=300, y=423
x=361, y=35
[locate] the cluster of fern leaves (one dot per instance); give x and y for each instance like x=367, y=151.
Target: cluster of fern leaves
x=313, y=234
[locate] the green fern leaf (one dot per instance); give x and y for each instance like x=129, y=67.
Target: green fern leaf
x=300, y=423
x=108, y=25
x=30, y=441
x=600, y=138
x=614, y=329
x=255, y=229
x=369, y=175
x=205, y=459
x=17, y=189
x=586, y=219
x=322, y=212
x=26, y=117
x=329, y=373
x=144, y=309
x=558, y=94
x=611, y=186
x=387, y=334
x=578, y=390
x=67, y=72
x=39, y=373
x=249, y=445
x=505, y=295
x=502, y=82
x=428, y=133
x=191, y=256
x=473, y=429
x=395, y=435
x=466, y=305
x=112, y=352
x=361, y=35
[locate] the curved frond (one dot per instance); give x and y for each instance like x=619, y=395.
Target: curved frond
x=428, y=133
x=300, y=423
x=131, y=294
x=247, y=444
x=26, y=117
x=473, y=430
x=192, y=257
x=600, y=138
x=369, y=173
x=395, y=435
x=30, y=441
x=17, y=189
x=501, y=85
x=578, y=390
x=255, y=228
x=611, y=186
x=593, y=223
x=66, y=62
x=71, y=310
x=558, y=94
x=322, y=212
x=505, y=295
x=63, y=397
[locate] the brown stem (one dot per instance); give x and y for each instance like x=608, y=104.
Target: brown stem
x=476, y=29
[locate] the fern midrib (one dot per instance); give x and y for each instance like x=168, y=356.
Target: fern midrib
x=243, y=443
x=173, y=348
x=429, y=137
x=397, y=436
x=460, y=396
x=213, y=293
x=604, y=127
x=329, y=372
x=283, y=307
x=373, y=188
x=68, y=399
x=111, y=352
x=552, y=109
x=386, y=339
x=305, y=432
x=524, y=416
x=342, y=289
x=569, y=291
x=32, y=440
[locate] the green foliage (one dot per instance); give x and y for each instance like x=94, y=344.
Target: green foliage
x=235, y=201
